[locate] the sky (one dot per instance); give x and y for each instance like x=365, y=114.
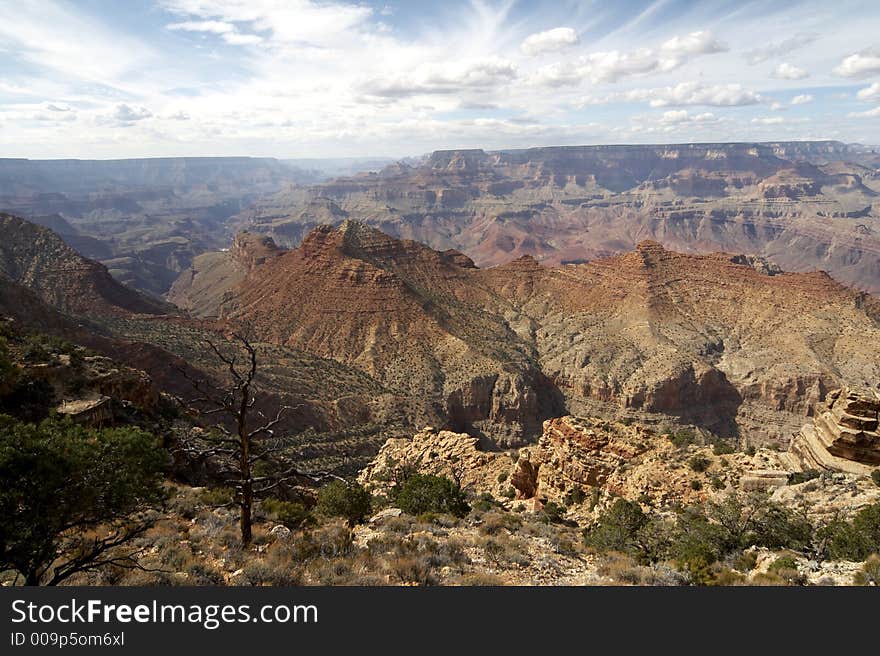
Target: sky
x=303, y=78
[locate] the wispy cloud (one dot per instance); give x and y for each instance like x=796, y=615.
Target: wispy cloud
x=780, y=48
x=338, y=77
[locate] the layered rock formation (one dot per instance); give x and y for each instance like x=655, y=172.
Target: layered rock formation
x=720, y=340
x=573, y=458
x=802, y=205
x=211, y=273
x=38, y=259
x=844, y=437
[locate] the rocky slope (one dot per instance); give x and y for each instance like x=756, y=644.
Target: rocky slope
x=804, y=205
x=725, y=341
x=38, y=259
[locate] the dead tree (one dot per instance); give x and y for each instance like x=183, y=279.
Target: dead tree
x=247, y=437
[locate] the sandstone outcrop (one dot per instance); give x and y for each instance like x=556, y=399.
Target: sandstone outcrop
x=844, y=436
x=573, y=458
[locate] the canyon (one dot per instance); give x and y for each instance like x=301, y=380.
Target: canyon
x=801, y=205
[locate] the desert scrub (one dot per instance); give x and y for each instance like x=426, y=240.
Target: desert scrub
x=347, y=500
x=682, y=438
x=617, y=529
x=215, y=496
x=291, y=514
x=495, y=522
x=264, y=572
x=504, y=551
x=479, y=579
x=699, y=463
x=424, y=493
x=333, y=540
x=870, y=572
x=796, y=478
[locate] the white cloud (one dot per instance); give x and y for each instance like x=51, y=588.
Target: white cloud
x=768, y=120
x=871, y=113
x=786, y=71
x=859, y=66
x=678, y=116
x=802, y=99
x=690, y=45
x=227, y=31
x=553, y=40
x=777, y=49
x=694, y=93
x=215, y=27
x=287, y=22
x=444, y=78
x=235, y=39
x=124, y=115
x=870, y=93
x=615, y=65
x=777, y=107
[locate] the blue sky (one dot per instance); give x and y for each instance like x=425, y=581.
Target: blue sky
x=301, y=78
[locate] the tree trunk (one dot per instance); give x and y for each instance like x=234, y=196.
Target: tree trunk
x=247, y=486
x=247, y=500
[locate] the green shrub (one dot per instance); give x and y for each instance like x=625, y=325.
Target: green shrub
x=697, y=543
x=617, y=529
x=854, y=540
x=8, y=370
x=783, y=562
x=216, y=496
x=485, y=502
x=502, y=477
x=574, y=497
x=721, y=447
x=424, y=493
x=683, y=438
x=875, y=476
x=289, y=513
x=796, y=478
x=347, y=500
x=699, y=464
x=696, y=485
x=58, y=475
x=29, y=399
x=552, y=513
x=776, y=527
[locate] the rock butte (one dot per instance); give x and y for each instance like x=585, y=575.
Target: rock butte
x=726, y=341
x=802, y=205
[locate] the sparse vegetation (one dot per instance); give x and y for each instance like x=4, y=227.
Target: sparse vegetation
x=58, y=476
x=423, y=493
x=699, y=463
x=347, y=500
